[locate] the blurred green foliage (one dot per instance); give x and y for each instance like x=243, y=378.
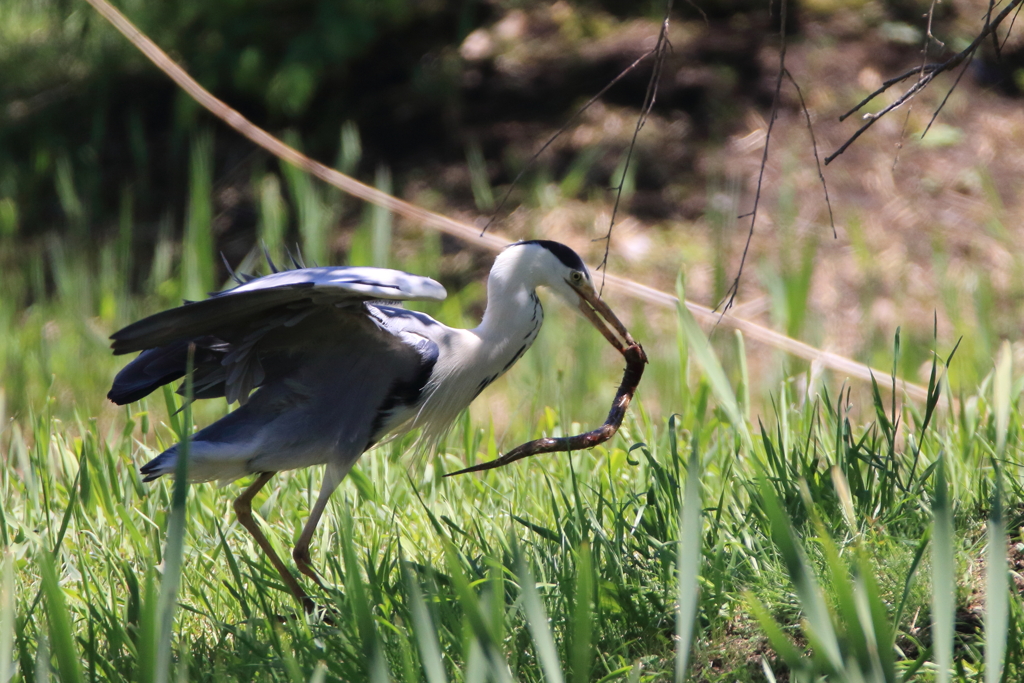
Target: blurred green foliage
x=117, y=193
x=83, y=114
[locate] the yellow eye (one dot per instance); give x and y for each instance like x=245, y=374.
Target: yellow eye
x=577, y=276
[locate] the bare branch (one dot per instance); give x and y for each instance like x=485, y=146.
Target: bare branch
x=929, y=72
x=995, y=38
x=924, y=68
x=735, y=287
x=814, y=145
x=1010, y=29
x=929, y=37
x=946, y=98
x=872, y=118
x=661, y=49
x=558, y=133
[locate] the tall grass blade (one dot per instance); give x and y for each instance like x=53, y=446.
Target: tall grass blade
x=1002, y=385
x=475, y=670
x=7, y=625
x=67, y=195
x=874, y=615
x=319, y=673
x=175, y=544
x=850, y=598
x=381, y=222
x=126, y=225
x=314, y=216
x=908, y=582
x=701, y=350
x=842, y=488
x=291, y=665
x=61, y=635
x=997, y=599
x=356, y=593
x=688, y=562
x=583, y=616
x=426, y=634
x=943, y=586
x=484, y=649
x=379, y=669
x=540, y=629
x=479, y=179
x=273, y=213
x=350, y=149
x=467, y=597
x=197, y=252
x=146, y=661
x=779, y=642
x=42, y=664
x=8, y=218
x=744, y=388
x=820, y=631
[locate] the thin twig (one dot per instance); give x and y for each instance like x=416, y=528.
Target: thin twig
x=995, y=37
x=873, y=118
x=1010, y=29
x=660, y=50
x=735, y=287
x=929, y=37
x=565, y=127
x=924, y=68
x=929, y=72
x=697, y=7
x=814, y=146
x=945, y=99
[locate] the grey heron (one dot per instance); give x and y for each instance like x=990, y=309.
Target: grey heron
x=324, y=365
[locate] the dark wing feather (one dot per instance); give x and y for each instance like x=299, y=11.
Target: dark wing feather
x=228, y=328
x=210, y=316
x=156, y=367
x=243, y=306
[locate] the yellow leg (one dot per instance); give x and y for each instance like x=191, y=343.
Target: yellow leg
x=333, y=475
x=243, y=510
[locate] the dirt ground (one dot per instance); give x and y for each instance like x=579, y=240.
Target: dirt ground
x=927, y=230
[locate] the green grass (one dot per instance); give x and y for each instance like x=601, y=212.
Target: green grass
x=821, y=539
x=822, y=547
x=825, y=533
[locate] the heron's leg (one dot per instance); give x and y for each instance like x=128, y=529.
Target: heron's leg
x=243, y=510
x=333, y=475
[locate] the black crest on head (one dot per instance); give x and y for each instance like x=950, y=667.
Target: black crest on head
x=568, y=257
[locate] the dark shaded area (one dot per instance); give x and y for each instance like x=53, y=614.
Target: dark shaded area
x=395, y=71
x=398, y=70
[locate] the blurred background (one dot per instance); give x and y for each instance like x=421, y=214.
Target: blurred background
x=118, y=194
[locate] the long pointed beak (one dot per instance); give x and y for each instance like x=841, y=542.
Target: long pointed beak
x=594, y=309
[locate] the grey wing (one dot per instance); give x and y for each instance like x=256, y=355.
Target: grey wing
x=334, y=384
x=243, y=306
x=228, y=330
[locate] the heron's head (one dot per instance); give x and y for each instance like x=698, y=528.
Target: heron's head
x=556, y=266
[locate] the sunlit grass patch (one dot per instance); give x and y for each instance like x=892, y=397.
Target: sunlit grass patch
x=559, y=566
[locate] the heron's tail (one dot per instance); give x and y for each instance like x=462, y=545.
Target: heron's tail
x=160, y=465
x=208, y=461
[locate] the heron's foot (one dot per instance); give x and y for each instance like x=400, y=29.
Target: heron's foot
x=305, y=564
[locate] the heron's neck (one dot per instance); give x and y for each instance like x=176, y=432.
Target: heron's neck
x=513, y=312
